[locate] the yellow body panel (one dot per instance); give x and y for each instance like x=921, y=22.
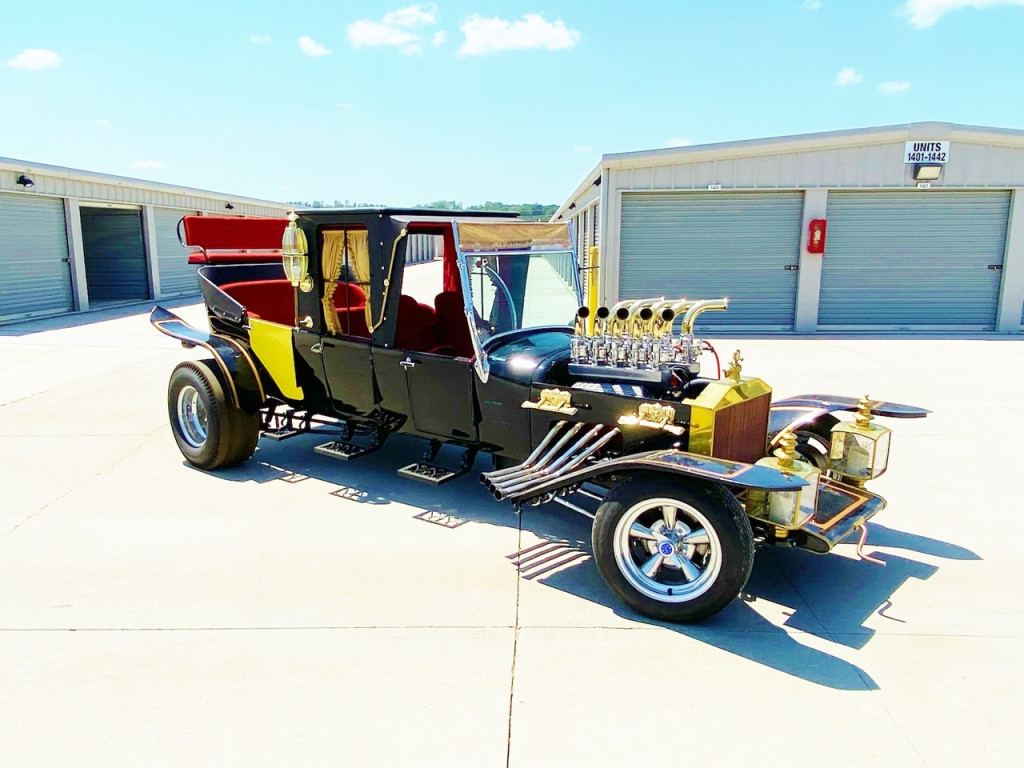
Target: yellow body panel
x=272, y=344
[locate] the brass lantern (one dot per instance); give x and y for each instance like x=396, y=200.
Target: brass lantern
x=293, y=254
x=860, y=449
x=786, y=509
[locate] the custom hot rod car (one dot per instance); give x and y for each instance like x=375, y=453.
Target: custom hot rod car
x=317, y=324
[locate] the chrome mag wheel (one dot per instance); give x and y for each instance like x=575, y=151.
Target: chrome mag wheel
x=667, y=550
x=193, y=418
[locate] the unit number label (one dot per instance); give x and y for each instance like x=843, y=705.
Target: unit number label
x=926, y=152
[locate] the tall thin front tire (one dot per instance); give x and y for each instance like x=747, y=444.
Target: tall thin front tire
x=211, y=432
x=672, y=549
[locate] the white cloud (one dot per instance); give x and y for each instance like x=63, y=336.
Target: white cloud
x=485, y=36
x=260, y=38
x=440, y=37
x=678, y=141
x=812, y=5
x=344, y=105
x=413, y=16
x=393, y=29
x=848, y=76
x=893, y=86
x=362, y=33
x=311, y=47
x=924, y=13
x=101, y=123
x=581, y=148
x=35, y=58
x=148, y=165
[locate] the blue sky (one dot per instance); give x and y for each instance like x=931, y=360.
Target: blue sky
x=402, y=103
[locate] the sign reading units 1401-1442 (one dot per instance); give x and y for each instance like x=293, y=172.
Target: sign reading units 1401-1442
x=926, y=152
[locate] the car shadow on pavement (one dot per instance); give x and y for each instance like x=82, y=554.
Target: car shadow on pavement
x=827, y=597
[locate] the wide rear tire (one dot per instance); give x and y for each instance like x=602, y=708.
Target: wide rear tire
x=211, y=432
x=672, y=549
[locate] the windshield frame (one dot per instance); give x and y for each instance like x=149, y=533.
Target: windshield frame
x=480, y=362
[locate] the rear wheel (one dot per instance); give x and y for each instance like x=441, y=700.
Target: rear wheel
x=673, y=550
x=210, y=431
x=813, y=440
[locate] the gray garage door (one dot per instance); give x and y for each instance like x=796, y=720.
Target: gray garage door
x=708, y=245
x=913, y=259
x=35, y=277
x=177, y=276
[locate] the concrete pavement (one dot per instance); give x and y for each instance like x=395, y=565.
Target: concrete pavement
x=301, y=611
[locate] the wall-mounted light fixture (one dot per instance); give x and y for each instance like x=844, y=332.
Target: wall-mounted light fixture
x=25, y=181
x=230, y=207
x=926, y=172
x=572, y=206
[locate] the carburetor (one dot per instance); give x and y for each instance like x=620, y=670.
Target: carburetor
x=633, y=340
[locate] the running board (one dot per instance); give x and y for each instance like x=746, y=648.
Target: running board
x=344, y=450
x=426, y=471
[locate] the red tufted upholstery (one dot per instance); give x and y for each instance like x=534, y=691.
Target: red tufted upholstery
x=417, y=326
x=272, y=300
x=453, y=330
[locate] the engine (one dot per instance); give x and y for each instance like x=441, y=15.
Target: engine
x=634, y=341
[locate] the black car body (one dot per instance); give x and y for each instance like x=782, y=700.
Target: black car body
x=317, y=322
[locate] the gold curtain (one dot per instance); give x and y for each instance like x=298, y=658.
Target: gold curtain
x=332, y=257
x=341, y=246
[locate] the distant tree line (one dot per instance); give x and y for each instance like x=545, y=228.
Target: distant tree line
x=529, y=211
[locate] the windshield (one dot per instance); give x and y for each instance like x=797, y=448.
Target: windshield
x=521, y=290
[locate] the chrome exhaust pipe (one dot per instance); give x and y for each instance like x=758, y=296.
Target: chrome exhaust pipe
x=584, y=448
x=486, y=477
x=520, y=469
x=528, y=477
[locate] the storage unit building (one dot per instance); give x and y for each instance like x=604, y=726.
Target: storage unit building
x=923, y=229
x=74, y=240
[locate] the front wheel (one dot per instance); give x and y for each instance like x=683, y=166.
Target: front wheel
x=210, y=431
x=673, y=550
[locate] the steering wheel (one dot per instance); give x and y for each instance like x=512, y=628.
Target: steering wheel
x=496, y=278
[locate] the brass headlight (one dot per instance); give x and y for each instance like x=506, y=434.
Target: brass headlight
x=860, y=449
x=786, y=509
x=293, y=253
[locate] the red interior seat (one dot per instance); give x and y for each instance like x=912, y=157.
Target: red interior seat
x=453, y=330
x=417, y=326
x=272, y=300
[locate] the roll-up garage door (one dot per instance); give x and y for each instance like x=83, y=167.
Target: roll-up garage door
x=705, y=246
x=115, y=258
x=177, y=276
x=913, y=259
x=35, y=276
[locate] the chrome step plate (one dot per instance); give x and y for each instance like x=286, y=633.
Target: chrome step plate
x=433, y=474
x=340, y=449
x=280, y=433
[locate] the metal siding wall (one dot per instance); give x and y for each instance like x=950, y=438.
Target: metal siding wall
x=34, y=274
x=913, y=258
x=115, y=259
x=177, y=276
x=709, y=245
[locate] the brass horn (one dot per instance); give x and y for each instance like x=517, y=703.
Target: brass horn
x=699, y=308
x=580, y=326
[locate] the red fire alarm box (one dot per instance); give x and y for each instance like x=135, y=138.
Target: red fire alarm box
x=816, y=236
